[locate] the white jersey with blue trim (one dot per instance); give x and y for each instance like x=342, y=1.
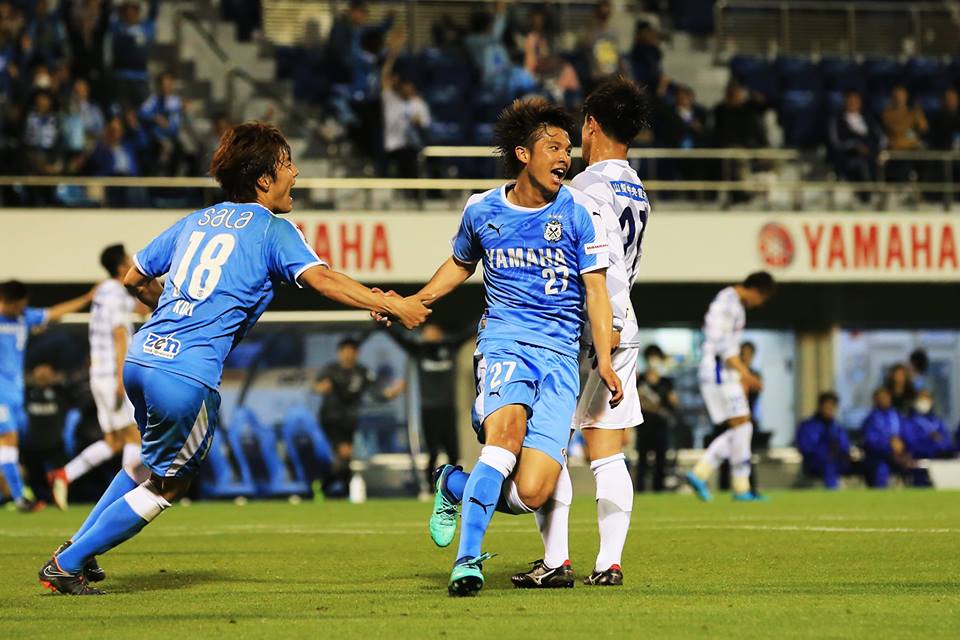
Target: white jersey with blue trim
x=615, y=183
x=722, y=334
x=222, y=264
x=533, y=260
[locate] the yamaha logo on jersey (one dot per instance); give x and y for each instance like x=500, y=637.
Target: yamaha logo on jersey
x=553, y=231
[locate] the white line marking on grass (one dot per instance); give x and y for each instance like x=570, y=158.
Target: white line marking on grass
x=760, y=527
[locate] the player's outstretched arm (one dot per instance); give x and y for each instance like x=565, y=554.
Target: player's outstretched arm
x=145, y=288
x=57, y=311
x=601, y=324
x=410, y=311
x=448, y=277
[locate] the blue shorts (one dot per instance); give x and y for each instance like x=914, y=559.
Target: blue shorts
x=544, y=381
x=177, y=418
x=13, y=418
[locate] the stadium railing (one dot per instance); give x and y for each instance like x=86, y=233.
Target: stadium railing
x=834, y=28
x=763, y=183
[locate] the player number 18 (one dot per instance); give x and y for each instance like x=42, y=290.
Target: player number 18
x=207, y=273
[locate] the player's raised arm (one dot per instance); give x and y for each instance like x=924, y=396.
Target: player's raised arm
x=57, y=311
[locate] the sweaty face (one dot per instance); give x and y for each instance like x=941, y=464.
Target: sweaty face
x=549, y=160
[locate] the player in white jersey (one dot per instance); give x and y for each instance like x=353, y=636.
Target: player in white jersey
x=110, y=331
x=614, y=114
x=724, y=379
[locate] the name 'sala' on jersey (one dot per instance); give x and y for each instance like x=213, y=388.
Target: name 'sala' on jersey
x=532, y=260
x=616, y=184
x=222, y=264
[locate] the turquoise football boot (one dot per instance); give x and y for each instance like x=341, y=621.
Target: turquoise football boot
x=466, y=579
x=443, y=520
x=699, y=487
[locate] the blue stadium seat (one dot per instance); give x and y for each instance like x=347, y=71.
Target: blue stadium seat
x=226, y=472
x=800, y=119
x=842, y=74
x=925, y=76
x=881, y=74
x=794, y=72
x=755, y=73
x=259, y=445
x=307, y=447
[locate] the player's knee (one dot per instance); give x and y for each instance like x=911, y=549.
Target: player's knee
x=169, y=489
x=113, y=441
x=534, y=492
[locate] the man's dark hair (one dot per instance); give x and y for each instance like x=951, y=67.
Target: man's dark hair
x=827, y=396
x=521, y=124
x=620, y=107
x=348, y=342
x=760, y=281
x=247, y=152
x=112, y=257
x=652, y=351
x=12, y=291
x=746, y=344
x=920, y=361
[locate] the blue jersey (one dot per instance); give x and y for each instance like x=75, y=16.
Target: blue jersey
x=13, y=342
x=532, y=262
x=222, y=265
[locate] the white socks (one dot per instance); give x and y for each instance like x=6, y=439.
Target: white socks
x=553, y=520
x=145, y=503
x=9, y=455
x=614, y=504
x=740, y=455
x=93, y=456
x=498, y=458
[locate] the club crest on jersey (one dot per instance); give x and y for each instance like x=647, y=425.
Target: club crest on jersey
x=553, y=230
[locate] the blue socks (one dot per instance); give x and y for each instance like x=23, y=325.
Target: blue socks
x=122, y=483
x=455, y=483
x=480, y=497
x=118, y=523
x=10, y=466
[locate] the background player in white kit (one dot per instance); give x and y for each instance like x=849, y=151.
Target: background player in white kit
x=613, y=116
x=110, y=331
x=723, y=377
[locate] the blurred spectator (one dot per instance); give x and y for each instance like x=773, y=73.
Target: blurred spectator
x=247, y=15
x=435, y=354
x=905, y=125
x=47, y=32
x=599, y=41
x=87, y=23
x=82, y=123
x=12, y=23
x=485, y=47
x=883, y=446
x=344, y=45
x=646, y=58
x=919, y=365
x=161, y=115
x=406, y=118
x=738, y=120
x=824, y=443
x=944, y=131
x=854, y=141
x=924, y=432
x=661, y=407
x=900, y=387
x=553, y=72
x=681, y=125
x=127, y=47
x=343, y=384
x=117, y=153
x=42, y=449
x=219, y=125
x=41, y=136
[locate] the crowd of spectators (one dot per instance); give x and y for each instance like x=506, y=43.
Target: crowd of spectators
x=76, y=97
x=902, y=429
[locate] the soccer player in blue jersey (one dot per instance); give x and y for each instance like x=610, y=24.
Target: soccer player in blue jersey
x=223, y=264
x=543, y=252
x=16, y=322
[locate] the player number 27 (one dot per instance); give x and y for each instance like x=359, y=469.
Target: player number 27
x=497, y=369
x=559, y=274
x=207, y=273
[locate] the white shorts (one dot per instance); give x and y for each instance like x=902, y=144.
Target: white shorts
x=111, y=417
x=724, y=400
x=593, y=408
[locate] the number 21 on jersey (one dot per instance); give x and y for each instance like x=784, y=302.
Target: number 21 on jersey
x=203, y=278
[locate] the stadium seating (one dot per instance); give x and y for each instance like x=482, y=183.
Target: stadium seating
x=259, y=445
x=307, y=447
x=227, y=472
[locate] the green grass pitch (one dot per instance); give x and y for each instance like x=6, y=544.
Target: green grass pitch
x=805, y=565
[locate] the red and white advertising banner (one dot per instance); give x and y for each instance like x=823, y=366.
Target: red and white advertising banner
x=400, y=247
